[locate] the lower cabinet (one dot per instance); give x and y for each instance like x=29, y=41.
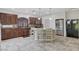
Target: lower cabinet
x=8, y=33
x=23, y=32
x=26, y=33
x=19, y=32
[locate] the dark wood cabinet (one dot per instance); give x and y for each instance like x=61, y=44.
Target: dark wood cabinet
x=22, y=22
x=15, y=31
x=35, y=22
x=26, y=32
x=23, y=32
x=8, y=33
x=20, y=32
x=7, y=19
x=13, y=19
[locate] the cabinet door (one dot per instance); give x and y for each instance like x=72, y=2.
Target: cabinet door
x=13, y=19
x=16, y=33
x=0, y=18
x=2, y=34
x=3, y=21
x=7, y=34
x=27, y=32
x=24, y=32
x=8, y=19
x=20, y=33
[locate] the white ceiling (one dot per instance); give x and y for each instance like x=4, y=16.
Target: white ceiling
x=37, y=11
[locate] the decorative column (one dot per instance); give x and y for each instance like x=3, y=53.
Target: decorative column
x=65, y=18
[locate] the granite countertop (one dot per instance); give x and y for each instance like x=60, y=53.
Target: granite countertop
x=15, y=28
x=12, y=26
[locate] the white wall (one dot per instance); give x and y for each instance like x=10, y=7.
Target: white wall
x=73, y=14
x=48, y=23
x=51, y=23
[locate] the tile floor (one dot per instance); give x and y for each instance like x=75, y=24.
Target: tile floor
x=29, y=44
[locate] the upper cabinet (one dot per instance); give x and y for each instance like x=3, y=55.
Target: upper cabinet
x=22, y=22
x=35, y=22
x=7, y=19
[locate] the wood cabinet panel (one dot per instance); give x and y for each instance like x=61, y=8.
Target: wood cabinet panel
x=8, y=18
x=35, y=22
x=22, y=22
x=20, y=32
x=26, y=32
x=15, y=32
x=13, y=19
x=7, y=33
